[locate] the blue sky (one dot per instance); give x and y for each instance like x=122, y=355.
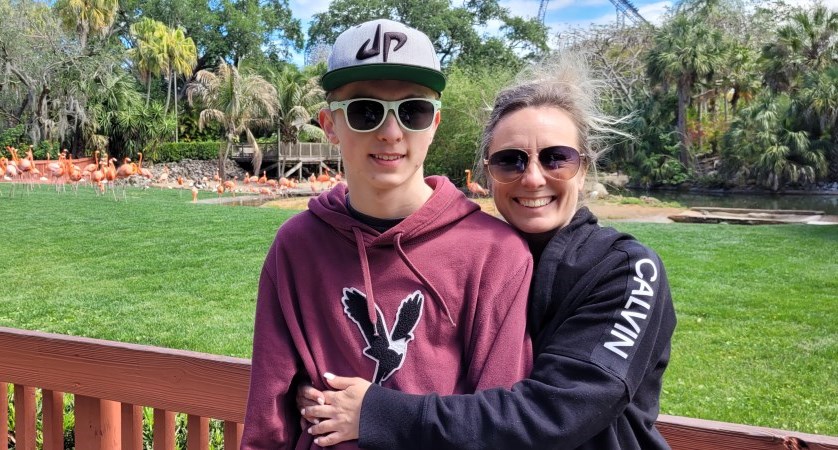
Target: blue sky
x=561, y=14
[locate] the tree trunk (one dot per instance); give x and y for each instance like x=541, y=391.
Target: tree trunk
x=257, y=152
x=683, y=98
x=223, y=151
x=168, y=91
x=176, y=124
x=700, y=130
x=148, y=91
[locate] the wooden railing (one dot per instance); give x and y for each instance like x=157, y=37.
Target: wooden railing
x=113, y=381
x=298, y=151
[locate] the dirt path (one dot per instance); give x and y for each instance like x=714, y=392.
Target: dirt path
x=603, y=209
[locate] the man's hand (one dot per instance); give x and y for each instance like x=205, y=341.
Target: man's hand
x=340, y=416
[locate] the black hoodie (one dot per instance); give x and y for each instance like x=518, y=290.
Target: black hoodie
x=601, y=317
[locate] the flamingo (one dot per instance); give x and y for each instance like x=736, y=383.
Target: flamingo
x=264, y=178
x=311, y=180
x=145, y=173
x=57, y=170
x=325, y=178
x=90, y=168
x=194, y=194
x=13, y=169
x=110, y=175
x=73, y=171
x=164, y=176
x=2, y=166
x=26, y=166
x=474, y=187
x=230, y=185
x=126, y=169
x=97, y=175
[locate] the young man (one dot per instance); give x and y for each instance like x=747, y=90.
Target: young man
x=395, y=278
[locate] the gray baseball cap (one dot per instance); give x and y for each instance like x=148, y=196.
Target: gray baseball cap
x=383, y=50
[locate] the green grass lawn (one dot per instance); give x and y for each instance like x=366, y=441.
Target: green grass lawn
x=756, y=343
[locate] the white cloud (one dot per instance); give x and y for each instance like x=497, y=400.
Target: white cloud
x=831, y=4
x=655, y=12
x=304, y=9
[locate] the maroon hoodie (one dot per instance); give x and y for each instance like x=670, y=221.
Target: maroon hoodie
x=435, y=304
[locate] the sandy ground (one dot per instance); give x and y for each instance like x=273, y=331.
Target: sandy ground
x=602, y=208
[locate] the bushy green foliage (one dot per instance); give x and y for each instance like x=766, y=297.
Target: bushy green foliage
x=12, y=136
x=465, y=104
x=176, y=151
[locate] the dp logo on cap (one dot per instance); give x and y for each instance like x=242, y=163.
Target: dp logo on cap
x=375, y=50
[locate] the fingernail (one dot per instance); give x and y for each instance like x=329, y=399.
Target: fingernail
x=321, y=401
x=303, y=412
x=316, y=421
x=317, y=441
x=329, y=375
x=310, y=432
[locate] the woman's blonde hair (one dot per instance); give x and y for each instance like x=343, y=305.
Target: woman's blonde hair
x=560, y=81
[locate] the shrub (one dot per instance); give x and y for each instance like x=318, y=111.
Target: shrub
x=176, y=151
x=12, y=136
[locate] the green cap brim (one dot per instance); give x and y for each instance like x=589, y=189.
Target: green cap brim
x=420, y=75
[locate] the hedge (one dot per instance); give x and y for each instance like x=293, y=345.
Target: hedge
x=176, y=151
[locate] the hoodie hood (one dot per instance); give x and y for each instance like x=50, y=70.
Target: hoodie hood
x=444, y=208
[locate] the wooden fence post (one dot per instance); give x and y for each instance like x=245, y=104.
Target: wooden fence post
x=164, y=430
x=132, y=427
x=98, y=424
x=24, y=417
x=53, y=421
x=4, y=416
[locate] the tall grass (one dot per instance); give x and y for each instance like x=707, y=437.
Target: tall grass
x=756, y=343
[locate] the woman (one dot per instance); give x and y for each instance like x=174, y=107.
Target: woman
x=600, y=313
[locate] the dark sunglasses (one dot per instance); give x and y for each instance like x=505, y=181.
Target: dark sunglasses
x=367, y=114
x=557, y=162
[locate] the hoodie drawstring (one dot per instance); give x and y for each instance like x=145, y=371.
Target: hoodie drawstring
x=365, y=269
x=418, y=274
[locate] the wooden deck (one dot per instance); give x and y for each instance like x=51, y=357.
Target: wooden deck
x=291, y=158
x=112, y=382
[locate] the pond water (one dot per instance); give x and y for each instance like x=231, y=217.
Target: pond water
x=826, y=203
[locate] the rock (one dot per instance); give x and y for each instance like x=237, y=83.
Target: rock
x=600, y=190
x=196, y=169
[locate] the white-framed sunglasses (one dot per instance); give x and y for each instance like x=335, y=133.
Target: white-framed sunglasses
x=367, y=114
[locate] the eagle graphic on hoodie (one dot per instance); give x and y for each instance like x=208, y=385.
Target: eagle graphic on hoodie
x=435, y=304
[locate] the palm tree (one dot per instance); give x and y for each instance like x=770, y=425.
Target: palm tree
x=181, y=58
x=806, y=43
x=87, y=16
x=299, y=97
x=236, y=100
x=685, y=52
x=819, y=96
x=771, y=146
x=149, y=54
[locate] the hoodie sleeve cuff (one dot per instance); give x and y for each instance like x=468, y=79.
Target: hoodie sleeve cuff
x=390, y=419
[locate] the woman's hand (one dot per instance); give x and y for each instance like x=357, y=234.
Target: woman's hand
x=307, y=395
x=340, y=416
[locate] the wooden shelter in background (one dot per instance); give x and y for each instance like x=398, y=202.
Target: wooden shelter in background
x=284, y=160
x=113, y=381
